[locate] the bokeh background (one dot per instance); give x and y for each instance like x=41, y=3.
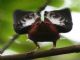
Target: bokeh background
x=23, y=44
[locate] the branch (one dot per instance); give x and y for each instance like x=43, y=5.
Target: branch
x=40, y=54
x=14, y=37
x=43, y=6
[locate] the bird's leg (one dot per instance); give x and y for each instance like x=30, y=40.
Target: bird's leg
x=54, y=44
x=37, y=45
x=34, y=49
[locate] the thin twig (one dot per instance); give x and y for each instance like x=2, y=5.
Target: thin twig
x=43, y=6
x=14, y=37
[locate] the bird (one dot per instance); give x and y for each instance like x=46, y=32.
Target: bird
x=55, y=22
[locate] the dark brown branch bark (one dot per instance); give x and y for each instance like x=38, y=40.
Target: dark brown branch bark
x=37, y=54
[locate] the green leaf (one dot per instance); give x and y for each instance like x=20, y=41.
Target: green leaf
x=5, y=30
x=64, y=43
x=21, y=4
x=22, y=44
x=75, y=5
x=56, y=3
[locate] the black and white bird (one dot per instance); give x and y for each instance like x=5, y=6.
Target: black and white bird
x=55, y=22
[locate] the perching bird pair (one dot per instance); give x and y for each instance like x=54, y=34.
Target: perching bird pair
x=55, y=22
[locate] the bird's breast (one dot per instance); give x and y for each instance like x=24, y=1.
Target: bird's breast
x=43, y=33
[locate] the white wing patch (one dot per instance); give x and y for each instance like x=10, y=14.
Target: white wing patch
x=27, y=22
x=56, y=21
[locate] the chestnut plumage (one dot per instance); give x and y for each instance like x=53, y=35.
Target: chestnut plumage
x=55, y=22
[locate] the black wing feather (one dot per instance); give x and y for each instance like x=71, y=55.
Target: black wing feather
x=65, y=13
x=17, y=24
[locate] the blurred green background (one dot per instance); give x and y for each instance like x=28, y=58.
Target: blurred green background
x=22, y=44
